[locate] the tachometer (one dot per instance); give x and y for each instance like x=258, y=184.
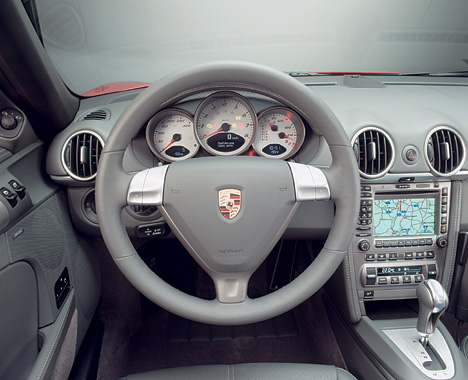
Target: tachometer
x=225, y=124
x=170, y=135
x=280, y=133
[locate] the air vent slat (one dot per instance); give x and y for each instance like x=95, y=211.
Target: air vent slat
x=374, y=152
x=445, y=151
x=80, y=155
x=100, y=114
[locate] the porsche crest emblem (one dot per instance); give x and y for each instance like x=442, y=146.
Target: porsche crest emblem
x=229, y=202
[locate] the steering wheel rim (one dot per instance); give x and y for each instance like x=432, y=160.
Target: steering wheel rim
x=112, y=186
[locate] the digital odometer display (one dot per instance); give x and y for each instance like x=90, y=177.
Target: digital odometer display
x=399, y=271
x=398, y=217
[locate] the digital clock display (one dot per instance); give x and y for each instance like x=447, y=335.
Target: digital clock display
x=399, y=271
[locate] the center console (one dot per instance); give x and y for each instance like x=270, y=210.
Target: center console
x=400, y=238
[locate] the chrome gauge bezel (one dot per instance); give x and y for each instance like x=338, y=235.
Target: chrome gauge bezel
x=298, y=124
x=189, y=133
x=230, y=96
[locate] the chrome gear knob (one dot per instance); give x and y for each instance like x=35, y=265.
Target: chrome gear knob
x=433, y=301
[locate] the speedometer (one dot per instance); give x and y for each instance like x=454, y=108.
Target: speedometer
x=170, y=135
x=225, y=124
x=280, y=133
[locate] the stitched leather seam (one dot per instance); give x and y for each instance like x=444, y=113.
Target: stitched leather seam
x=454, y=235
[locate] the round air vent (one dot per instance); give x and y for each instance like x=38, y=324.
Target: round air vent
x=374, y=152
x=445, y=151
x=80, y=155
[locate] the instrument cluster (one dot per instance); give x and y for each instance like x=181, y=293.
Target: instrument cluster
x=225, y=124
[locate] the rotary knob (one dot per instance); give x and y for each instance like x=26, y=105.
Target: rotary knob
x=8, y=122
x=364, y=245
x=442, y=242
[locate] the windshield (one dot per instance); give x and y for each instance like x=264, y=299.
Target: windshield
x=95, y=42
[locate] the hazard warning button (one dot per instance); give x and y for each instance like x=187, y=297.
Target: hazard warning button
x=410, y=154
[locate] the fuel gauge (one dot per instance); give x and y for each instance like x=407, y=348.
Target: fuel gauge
x=280, y=133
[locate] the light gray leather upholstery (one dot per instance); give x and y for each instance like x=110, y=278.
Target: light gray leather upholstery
x=253, y=371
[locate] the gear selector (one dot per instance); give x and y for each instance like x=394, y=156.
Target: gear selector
x=433, y=301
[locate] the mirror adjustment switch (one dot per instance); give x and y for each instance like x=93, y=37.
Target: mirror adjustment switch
x=9, y=196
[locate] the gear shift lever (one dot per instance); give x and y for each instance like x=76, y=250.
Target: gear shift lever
x=433, y=301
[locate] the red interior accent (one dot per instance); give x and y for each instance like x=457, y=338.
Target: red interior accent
x=115, y=87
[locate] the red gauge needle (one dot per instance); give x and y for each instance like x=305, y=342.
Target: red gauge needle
x=274, y=128
x=224, y=128
x=283, y=136
x=175, y=138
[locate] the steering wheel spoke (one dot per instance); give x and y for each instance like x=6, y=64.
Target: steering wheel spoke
x=147, y=187
x=310, y=183
x=231, y=287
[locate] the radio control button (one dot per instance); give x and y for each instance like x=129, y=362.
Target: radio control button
x=444, y=200
x=366, y=195
x=393, y=256
x=364, y=208
x=382, y=280
x=364, y=228
x=420, y=255
x=415, y=242
x=393, y=243
x=401, y=243
x=422, y=242
x=394, y=280
x=445, y=191
x=406, y=279
x=363, y=234
x=370, y=256
x=386, y=243
x=409, y=255
x=408, y=243
x=366, y=188
x=443, y=209
x=443, y=220
x=368, y=294
x=381, y=257
x=378, y=244
x=443, y=229
x=418, y=278
x=429, y=241
x=430, y=254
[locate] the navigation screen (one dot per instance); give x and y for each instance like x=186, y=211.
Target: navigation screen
x=404, y=217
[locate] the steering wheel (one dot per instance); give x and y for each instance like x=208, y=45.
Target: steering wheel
x=188, y=195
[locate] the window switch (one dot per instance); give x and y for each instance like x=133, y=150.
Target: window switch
x=9, y=196
x=19, y=189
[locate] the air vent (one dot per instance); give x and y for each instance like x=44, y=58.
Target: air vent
x=374, y=152
x=445, y=151
x=101, y=114
x=80, y=155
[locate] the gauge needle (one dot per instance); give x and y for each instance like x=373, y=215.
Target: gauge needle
x=224, y=128
x=274, y=128
x=283, y=136
x=175, y=138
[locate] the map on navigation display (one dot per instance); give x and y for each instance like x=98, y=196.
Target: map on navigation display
x=404, y=217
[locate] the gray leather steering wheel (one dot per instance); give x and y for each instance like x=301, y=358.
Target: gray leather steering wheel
x=187, y=194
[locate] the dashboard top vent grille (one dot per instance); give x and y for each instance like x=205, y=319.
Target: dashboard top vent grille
x=374, y=152
x=100, y=114
x=81, y=154
x=445, y=151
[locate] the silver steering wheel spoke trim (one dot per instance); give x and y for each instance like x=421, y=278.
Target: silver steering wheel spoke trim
x=310, y=183
x=147, y=187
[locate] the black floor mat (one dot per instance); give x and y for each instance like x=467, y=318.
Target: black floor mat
x=183, y=330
